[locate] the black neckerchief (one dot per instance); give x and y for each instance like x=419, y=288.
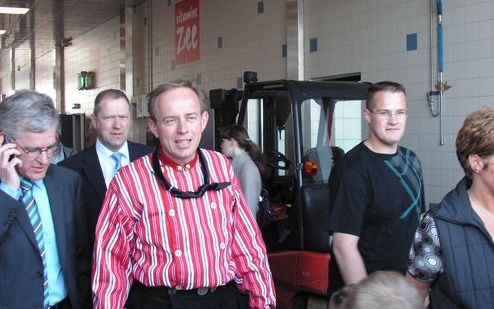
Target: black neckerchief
x=216, y=186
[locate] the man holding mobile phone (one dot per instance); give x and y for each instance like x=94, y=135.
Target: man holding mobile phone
x=40, y=247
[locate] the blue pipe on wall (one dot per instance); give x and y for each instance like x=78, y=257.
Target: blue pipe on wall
x=439, y=8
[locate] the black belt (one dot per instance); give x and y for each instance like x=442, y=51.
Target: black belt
x=161, y=297
x=199, y=291
x=177, y=291
x=63, y=304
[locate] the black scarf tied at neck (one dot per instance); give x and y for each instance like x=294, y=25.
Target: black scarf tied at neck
x=215, y=186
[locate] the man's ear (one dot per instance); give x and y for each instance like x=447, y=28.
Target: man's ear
x=204, y=119
x=153, y=127
x=93, y=120
x=367, y=115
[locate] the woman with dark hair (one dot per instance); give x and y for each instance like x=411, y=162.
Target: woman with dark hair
x=452, y=256
x=248, y=162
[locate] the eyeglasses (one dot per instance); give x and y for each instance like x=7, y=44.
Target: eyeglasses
x=34, y=152
x=387, y=114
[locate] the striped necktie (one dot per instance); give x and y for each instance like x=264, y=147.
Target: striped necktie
x=117, y=156
x=33, y=213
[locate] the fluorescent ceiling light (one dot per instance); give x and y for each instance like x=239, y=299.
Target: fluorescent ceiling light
x=2, y=32
x=13, y=10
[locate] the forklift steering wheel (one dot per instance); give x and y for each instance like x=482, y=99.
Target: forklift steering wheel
x=275, y=158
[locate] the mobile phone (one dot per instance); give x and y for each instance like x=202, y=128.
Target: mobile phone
x=7, y=140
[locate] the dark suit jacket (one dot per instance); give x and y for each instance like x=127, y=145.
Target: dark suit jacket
x=21, y=268
x=87, y=164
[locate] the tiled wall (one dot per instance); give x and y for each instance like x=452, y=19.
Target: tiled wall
x=370, y=37
x=22, y=68
x=364, y=36
x=250, y=42
x=97, y=51
x=44, y=74
x=5, y=72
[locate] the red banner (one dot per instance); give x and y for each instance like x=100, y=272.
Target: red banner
x=187, y=46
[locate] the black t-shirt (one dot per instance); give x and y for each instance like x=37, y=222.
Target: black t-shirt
x=378, y=197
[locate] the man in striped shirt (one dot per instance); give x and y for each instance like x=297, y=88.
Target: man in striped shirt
x=176, y=223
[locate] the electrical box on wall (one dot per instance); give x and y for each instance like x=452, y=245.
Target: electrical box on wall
x=86, y=80
x=141, y=103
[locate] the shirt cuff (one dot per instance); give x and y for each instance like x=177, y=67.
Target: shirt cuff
x=13, y=193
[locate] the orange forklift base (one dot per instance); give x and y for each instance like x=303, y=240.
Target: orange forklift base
x=299, y=271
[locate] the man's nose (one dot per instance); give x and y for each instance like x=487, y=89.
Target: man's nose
x=44, y=157
x=117, y=123
x=182, y=126
x=392, y=118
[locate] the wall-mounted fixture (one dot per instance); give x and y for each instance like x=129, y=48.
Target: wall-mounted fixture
x=441, y=85
x=13, y=10
x=64, y=42
x=86, y=80
x=141, y=103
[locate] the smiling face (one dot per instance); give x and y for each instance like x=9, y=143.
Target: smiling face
x=387, y=121
x=112, y=123
x=35, y=168
x=179, y=123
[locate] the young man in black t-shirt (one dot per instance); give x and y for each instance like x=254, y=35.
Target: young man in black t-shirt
x=376, y=193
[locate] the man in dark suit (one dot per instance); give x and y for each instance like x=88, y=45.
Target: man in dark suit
x=40, y=247
x=112, y=121
x=97, y=165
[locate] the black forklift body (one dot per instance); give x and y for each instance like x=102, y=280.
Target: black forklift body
x=294, y=122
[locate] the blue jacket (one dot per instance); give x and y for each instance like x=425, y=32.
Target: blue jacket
x=467, y=254
x=21, y=268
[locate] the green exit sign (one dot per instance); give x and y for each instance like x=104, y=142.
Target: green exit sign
x=86, y=80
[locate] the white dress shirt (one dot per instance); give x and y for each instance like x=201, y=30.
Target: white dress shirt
x=106, y=161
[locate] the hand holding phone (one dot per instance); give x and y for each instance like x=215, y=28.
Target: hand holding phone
x=9, y=161
x=7, y=140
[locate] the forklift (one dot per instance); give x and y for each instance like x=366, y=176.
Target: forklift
x=293, y=124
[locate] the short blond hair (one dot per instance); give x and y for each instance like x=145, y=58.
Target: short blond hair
x=476, y=136
x=382, y=289
x=159, y=90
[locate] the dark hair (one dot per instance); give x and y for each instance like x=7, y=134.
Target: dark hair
x=28, y=111
x=108, y=93
x=239, y=134
x=385, y=86
x=476, y=136
x=153, y=95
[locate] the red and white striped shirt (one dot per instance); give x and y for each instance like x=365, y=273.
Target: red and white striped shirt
x=144, y=232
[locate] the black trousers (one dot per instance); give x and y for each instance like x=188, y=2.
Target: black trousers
x=223, y=297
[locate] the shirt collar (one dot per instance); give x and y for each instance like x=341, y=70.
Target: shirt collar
x=103, y=150
x=166, y=160
x=36, y=183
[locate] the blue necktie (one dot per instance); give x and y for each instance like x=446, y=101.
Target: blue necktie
x=117, y=156
x=33, y=213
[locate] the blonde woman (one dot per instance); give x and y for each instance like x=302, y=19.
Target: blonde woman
x=452, y=256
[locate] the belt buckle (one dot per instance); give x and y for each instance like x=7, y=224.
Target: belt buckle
x=202, y=291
